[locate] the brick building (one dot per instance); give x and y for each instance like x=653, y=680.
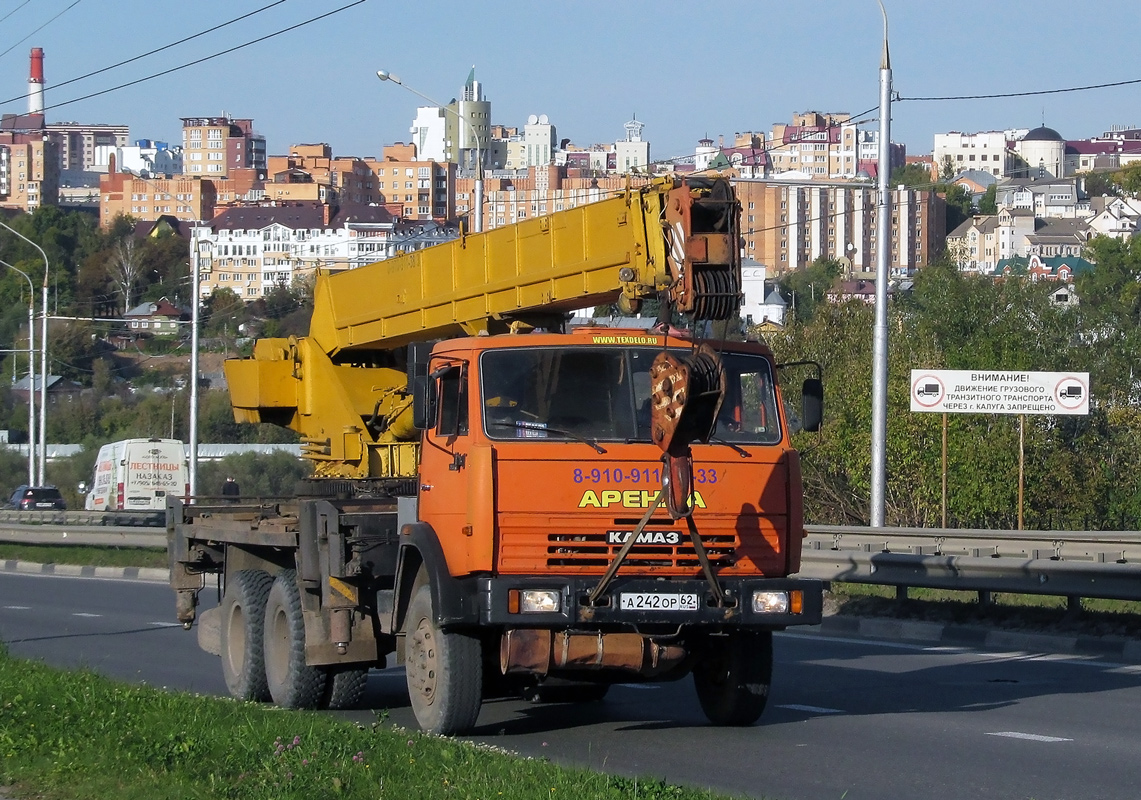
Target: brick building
x=214, y=146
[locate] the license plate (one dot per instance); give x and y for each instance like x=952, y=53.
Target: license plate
x=657, y=601
x=45, y=505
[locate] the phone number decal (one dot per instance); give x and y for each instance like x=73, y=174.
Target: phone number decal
x=646, y=475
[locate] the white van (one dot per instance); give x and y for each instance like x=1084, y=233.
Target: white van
x=138, y=474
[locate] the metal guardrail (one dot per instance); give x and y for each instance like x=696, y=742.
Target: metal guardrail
x=123, y=519
x=1104, y=564
x=102, y=536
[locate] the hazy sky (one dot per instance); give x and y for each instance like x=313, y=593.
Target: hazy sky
x=685, y=69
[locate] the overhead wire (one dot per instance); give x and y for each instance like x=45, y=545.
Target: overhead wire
x=204, y=59
x=900, y=98
x=14, y=10
x=150, y=52
x=37, y=30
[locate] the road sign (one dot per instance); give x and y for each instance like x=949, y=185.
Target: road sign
x=997, y=392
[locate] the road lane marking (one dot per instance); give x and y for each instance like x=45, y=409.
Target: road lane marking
x=811, y=709
x=166, y=624
x=1069, y=659
x=1031, y=737
x=17, y=608
x=85, y=614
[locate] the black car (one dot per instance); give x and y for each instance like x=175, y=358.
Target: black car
x=37, y=497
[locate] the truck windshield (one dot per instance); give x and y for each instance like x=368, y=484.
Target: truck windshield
x=603, y=393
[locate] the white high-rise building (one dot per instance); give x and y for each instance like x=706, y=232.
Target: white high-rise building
x=539, y=141
x=632, y=154
x=429, y=133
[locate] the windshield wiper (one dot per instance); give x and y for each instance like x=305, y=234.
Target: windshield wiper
x=740, y=450
x=530, y=426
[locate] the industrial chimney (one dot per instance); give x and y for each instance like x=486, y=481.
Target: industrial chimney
x=36, y=82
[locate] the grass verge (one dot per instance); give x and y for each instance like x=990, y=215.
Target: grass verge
x=94, y=556
x=76, y=735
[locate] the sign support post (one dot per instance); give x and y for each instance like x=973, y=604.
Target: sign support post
x=944, y=469
x=1021, y=464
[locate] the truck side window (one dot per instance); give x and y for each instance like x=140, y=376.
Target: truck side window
x=453, y=403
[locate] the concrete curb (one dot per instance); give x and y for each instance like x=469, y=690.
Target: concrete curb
x=148, y=574
x=978, y=636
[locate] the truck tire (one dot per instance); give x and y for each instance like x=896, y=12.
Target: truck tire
x=292, y=683
x=344, y=688
x=732, y=676
x=242, y=632
x=444, y=671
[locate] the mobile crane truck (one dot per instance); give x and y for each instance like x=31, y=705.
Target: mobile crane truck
x=504, y=506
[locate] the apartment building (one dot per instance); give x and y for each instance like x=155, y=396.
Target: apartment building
x=146, y=199
x=415, y=188
x=987, y=151
x=539, y=191
x=252, y=249
x=79, y=143
x=213, y=146
x=825, y=146
x=787, y=225
x=1058, y=198
x=29, y=170
x=982, y=241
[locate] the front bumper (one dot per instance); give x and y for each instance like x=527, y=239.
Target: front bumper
x=575, y=610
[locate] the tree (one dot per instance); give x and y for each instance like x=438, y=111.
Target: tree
x=988, y=203
x=125, y=268
x=947, y=169
x=1129, y=179
x=805, y=289
x=959, y=204
x=914, y=176
x=1099, y=184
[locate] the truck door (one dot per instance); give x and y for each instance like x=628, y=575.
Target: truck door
x=445, y=468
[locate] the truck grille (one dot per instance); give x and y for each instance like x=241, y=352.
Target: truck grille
x=526, y=550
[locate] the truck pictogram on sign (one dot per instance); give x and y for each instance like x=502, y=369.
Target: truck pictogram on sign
x=926, y=390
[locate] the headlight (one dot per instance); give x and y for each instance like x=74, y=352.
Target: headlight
x=534, y=601
x=770, y=602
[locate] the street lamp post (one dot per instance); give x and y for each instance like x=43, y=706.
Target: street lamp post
x=43, y=359
x=883, y=259
x=196, y=291
x=477, y=224
x=31, y=372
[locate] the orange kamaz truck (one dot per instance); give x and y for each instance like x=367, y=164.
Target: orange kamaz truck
x=507, y=507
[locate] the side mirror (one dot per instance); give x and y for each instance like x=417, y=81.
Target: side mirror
x=424, y=402
x=81, y=488
x=812, y=404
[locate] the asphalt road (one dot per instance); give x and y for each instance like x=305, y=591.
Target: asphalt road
x=848, y=719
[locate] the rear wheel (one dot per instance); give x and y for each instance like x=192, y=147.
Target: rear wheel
x=242, y=634
x=344, y=688
x=292, y=683
x=444, y=671
x=732, y=676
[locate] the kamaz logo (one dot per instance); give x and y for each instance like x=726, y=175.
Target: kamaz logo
x=645, y=537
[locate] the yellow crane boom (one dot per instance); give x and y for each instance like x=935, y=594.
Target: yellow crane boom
x=343, y=387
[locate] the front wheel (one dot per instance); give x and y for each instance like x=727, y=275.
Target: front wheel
x=444, y=671
x=732, y=676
